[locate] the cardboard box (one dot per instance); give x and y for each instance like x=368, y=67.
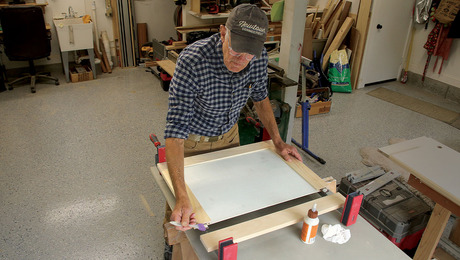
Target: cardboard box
x=316, y=108
x=81, y=73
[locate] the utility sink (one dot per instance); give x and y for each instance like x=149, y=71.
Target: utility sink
x=73, y=34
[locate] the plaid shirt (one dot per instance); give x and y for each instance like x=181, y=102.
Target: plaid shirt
x=205, y=98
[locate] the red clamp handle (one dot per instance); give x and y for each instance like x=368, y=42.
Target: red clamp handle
x=154, y=140
x=252, y=121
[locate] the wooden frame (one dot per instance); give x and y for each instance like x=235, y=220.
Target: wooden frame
x=200, y=214
x=266, y=224
x=261, y=225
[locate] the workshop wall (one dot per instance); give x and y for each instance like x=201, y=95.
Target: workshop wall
x=158, y=15
x=449, y=73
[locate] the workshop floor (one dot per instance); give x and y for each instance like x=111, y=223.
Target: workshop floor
x=75, y=160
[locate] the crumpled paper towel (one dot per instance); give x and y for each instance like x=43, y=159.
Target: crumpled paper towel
x=335, y=233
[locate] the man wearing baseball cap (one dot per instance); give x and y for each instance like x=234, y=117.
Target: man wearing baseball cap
x=213, y=79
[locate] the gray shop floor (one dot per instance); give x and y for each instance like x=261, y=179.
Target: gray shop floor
x=75, y=181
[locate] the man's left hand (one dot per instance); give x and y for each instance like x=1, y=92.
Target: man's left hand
x=288, y=151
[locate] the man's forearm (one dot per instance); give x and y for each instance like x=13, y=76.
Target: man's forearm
x=175, y=160
x=265, y=113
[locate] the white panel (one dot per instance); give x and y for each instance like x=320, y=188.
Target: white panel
x=432, y=162
x=241, y=184
x=440, y=165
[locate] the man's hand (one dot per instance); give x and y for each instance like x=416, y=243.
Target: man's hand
x=287, y=151
x=265, y=113
x=183, y=213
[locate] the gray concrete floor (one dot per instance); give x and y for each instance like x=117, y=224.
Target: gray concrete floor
x=75, y=181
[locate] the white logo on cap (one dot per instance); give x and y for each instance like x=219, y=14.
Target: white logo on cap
x=252, y=28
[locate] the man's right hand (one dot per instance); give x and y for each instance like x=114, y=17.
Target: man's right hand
x=183, y=213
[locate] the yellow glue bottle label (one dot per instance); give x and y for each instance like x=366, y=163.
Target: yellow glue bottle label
x=308, y=233
x=310, y=226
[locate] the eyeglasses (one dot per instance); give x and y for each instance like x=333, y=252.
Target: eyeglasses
x=247, y=56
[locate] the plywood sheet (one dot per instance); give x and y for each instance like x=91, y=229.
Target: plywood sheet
x=240, y=184
x=437, y=165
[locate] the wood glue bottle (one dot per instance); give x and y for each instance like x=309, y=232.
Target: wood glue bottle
x=310, y=226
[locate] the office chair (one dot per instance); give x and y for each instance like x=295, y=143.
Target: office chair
x=25, y=39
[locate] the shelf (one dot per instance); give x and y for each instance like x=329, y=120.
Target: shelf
x=206, y=27
x=209, y=16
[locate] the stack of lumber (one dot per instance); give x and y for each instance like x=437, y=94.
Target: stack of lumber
x=337, y=27
x=105, y=65
x=333, y=26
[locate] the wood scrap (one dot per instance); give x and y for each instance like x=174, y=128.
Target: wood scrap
x=316, y=26
x=335, y=15
x=343, y=31
x=98, y=55
x=104, y=56
x=167, y=66
x=316, y=12
x=150, y=64
x=307, y=49
x=361, y=25
x=344, y=14
x=176, y=43
x=309, y=21
x=333, y=19
x=331, y=35
x=175, y=46
x=327, y=12
x=141, y=36
x=353, y=43
x=116, y=31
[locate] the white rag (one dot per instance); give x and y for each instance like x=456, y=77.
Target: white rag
x=335, y=233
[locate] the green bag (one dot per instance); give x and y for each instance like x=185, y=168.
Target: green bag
x=339, y=72
x=277, y=10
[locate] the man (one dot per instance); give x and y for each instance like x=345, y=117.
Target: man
x=213, y=80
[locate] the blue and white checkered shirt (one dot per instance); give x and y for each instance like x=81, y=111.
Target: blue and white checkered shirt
x=205, y=98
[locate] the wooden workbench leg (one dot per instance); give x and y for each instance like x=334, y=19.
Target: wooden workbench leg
x=455, y=233
x=187, y=251
x=91, y=60
x=177, y=253
x=65, y=64
x=433, y=232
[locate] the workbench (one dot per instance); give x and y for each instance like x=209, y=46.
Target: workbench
x=434, y=171
x=282, y=241
x=365, y=243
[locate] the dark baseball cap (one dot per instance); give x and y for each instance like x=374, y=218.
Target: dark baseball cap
x=248, y=26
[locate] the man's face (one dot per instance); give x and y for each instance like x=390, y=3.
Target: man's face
x=234, y=61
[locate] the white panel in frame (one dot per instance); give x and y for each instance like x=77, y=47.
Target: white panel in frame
x=239, y=180
x=240, y=184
